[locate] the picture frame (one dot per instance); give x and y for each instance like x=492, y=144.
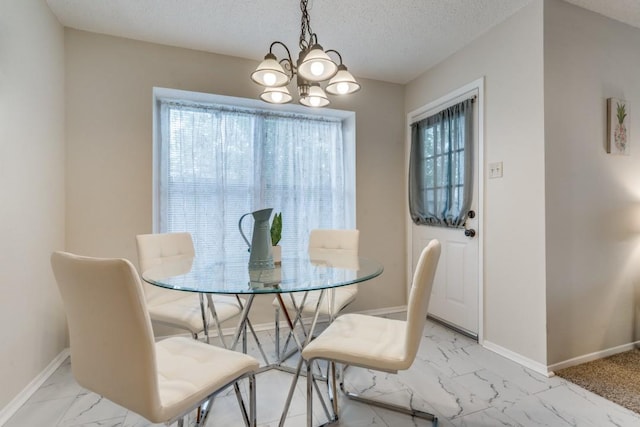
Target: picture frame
x=618, y=141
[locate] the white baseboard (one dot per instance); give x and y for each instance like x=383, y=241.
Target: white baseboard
x=518, y=358
x=593, y=356
x=383, y=311
x=15, y=404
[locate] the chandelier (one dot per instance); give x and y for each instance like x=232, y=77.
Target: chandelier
x=314, y=66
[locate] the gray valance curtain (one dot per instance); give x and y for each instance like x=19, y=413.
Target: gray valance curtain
x=441, y=167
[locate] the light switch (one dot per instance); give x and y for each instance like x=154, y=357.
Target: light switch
x=495, y=170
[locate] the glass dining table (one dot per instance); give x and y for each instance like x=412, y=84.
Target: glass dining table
x=317, y=271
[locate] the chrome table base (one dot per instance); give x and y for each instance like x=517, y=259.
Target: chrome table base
x=330, y=379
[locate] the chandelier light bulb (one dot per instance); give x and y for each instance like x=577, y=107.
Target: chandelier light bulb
x=314, y=65
x=343, y=83
x=276, y=97
x=269, y=79
x=314, y=96
x=342, y=88
x=270, y=73
x=316, y=68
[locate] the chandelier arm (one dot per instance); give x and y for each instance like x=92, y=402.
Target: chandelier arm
x=336, y=52
x=288, y=62
x=284, y=46
x=288, y=66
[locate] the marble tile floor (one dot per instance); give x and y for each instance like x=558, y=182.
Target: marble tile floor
x=452, y=377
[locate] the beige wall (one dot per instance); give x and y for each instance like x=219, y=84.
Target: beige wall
x=593, y=237
x=509, y=57
x=562, y=228
x=32, y=322
x=109, y=137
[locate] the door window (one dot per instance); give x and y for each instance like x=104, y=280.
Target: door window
x=441, y=167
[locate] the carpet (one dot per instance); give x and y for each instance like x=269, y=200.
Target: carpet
x=616, y=378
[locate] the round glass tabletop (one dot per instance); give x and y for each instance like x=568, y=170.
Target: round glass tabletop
x=291, y=275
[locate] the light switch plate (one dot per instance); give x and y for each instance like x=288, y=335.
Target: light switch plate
x=495, y=170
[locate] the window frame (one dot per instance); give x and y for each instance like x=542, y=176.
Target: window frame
x=347, y=118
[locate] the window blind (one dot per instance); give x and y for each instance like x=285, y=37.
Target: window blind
x=217, y=163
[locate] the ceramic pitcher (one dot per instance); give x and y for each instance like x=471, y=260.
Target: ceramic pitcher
x=260, y=246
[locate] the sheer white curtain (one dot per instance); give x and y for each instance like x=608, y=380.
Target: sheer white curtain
x=217, y=163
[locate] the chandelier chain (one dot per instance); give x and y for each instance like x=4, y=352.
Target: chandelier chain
x=305, y=27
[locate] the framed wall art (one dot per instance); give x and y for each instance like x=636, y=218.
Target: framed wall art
x=617, y=126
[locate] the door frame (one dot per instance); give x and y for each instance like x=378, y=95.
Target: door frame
x=421, y=112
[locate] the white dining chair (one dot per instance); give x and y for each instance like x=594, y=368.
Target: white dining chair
x=323, y=243
x=183, y=310
x=113, y=352
x=376, y=343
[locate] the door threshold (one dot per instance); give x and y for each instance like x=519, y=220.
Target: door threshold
x=453, y=327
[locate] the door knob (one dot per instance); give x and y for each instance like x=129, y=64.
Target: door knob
x=470, y=232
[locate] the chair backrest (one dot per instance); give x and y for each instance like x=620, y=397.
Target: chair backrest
x=159, y=249
x=112, y=345
x=338, y=248
x=334, y=241
x=419, y=298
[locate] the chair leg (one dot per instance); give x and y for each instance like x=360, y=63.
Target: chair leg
x=277, y=325
x=252, y=401
x=298, y=319
x=311, y=383
x=203, y=412
x=214, y=313
x=390, y=406
x=332, y=378
x=244, y=339
x=205, y=318
x=309, y=394
x=250, y=418
x=243, y=409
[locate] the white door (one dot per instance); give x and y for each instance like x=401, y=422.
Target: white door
x=454, y=298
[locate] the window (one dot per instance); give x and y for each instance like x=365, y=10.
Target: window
x=218, y=158
x=440, y=167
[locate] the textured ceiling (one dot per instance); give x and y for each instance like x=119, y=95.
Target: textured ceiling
x=627, y=11
x=392, y=41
